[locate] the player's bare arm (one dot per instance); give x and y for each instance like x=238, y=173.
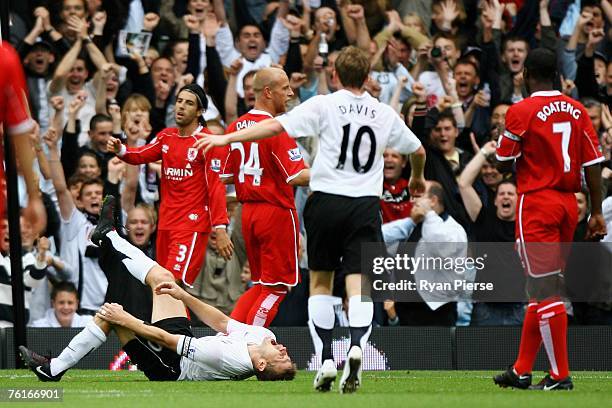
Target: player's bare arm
x=35, y=210
x=302, y=179
x=113, y=313
x=597, y=224
x=209, y=315
x=261, y=130
x=416, y=184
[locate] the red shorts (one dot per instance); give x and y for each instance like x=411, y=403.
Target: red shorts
x=271, y=235
x=545, y=225
x=182, y=253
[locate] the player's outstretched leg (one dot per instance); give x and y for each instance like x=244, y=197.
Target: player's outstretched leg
x=105, y=235
x=321, y=323
x=86, y=341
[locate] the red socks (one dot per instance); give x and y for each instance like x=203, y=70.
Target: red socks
x=258, y=305
x=265, y=307
x=545, y=322
x=530, y=341
x=553, y=328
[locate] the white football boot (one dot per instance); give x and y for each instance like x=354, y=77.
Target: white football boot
x=351, y=376
x=325, y=376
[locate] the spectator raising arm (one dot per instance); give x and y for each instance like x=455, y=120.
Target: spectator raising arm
x=63, y=69
x=64, y=198
x=231, y=95
x=355, y=17
x=468, y=176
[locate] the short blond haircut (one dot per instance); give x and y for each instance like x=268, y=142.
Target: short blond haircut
x=352, y=67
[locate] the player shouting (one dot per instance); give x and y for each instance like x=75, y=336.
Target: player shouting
x=192, y=196
x=344, y=210
x=552, y=139
x=264, y=173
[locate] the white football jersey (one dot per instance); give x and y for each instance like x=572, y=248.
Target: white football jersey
x=354, y=132
x=220, y=357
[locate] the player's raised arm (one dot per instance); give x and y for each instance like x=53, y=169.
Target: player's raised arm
x=209, y=315
x=261, y=130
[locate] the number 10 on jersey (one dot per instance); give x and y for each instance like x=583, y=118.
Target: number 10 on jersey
x=346, y=130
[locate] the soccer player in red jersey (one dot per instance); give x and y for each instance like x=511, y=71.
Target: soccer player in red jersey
x=264, y=173
x=552, y=140
x=192, y=196
x=15, y=116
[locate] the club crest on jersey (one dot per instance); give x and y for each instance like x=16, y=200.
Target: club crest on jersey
x=295, y=154
x=165, y=148
x=215, y=165
x=192, y=153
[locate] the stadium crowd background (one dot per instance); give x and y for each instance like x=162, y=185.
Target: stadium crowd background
x=450, y=68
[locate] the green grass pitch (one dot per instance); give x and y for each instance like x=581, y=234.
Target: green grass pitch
x=410, y=389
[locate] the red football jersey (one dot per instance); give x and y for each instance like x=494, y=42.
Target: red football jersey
x=192, y=195
x=395, y=202
x=262, y=169
x=552, y=138
x=14, y=112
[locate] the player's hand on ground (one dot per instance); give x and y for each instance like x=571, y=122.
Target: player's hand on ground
x=113, y=145
x=225, y=247
x=596, y=229
x=207, y=141
x=170, y=288
x=113, y=313
x=416, y=186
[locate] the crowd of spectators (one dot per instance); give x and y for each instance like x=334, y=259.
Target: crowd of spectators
x=450, y=68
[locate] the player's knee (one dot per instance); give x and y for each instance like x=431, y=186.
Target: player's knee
x=158, y=275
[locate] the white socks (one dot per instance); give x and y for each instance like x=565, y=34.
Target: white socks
x=89, y=339
x=321, y=318
x=136, y=262
x=360, y=314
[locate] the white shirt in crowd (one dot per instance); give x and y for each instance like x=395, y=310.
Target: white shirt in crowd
x=50, y=320
x=441, y=238
x=279, y=45
x=220, y=357
x=75, y=239
x=353, y=132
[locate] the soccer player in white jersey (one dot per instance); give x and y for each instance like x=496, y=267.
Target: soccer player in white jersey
x=344, y=211
x=166, y=350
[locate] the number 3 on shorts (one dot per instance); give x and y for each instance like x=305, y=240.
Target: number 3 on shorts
x=181, y=253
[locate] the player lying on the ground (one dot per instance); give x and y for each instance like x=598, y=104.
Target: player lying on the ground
x=166, y=350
